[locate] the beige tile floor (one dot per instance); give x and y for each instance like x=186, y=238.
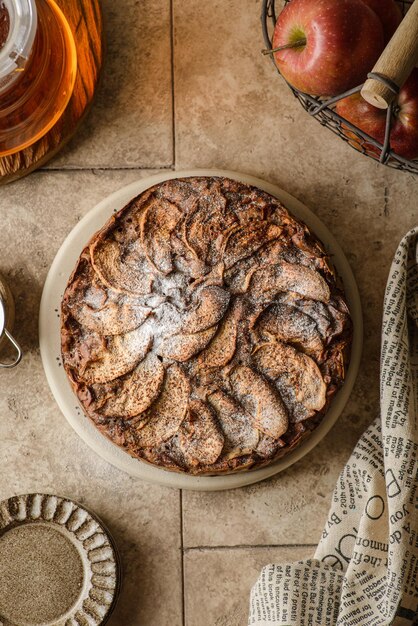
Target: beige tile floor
x=185, y=86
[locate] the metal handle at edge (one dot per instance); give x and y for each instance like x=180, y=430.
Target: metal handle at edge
x=17, y=348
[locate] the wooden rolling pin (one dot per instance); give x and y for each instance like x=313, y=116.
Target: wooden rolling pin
x=396, y=61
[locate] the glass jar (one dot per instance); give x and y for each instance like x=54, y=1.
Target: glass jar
x=38, y=66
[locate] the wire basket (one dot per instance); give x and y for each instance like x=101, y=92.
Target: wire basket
x=322, y=109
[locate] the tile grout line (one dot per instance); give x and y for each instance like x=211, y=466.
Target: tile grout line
x=249, y=547
x=173, y=96
x=172, y=166
x=182, y=551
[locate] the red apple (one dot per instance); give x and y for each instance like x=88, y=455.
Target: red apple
x=404, y=131
x=343, y=39
x=389, y=14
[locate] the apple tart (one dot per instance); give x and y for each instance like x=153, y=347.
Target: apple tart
x=203, y=329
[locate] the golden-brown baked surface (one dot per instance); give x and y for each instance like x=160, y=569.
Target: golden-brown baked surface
x=203, y=329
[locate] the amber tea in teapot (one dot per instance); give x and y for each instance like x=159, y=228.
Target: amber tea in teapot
x=38, y=65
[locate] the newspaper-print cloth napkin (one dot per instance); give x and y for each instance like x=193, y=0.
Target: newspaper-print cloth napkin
x=365, y=569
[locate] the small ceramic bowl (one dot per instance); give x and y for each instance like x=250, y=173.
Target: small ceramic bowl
x=59, y=565
x=7, y=312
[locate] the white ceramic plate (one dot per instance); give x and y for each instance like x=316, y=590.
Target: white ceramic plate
x=49, y=336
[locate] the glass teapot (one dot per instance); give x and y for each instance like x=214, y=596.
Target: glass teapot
x=38, y=65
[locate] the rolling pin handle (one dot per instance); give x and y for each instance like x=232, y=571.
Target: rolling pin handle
x=395, y=63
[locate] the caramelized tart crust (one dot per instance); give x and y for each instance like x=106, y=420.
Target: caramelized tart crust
x=202, y=328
